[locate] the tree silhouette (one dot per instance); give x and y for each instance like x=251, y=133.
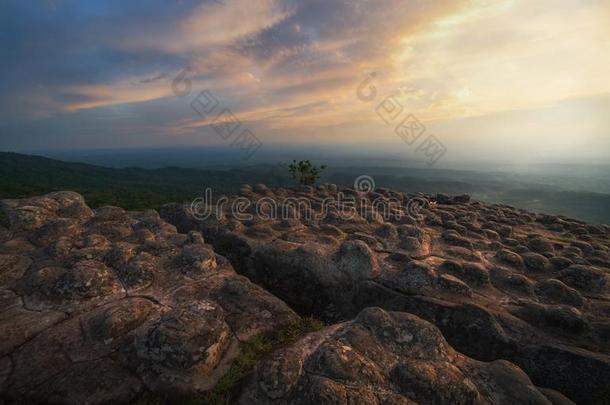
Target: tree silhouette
x=304, y=172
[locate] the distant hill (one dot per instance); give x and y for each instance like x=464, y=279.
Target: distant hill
x=136, y=188
x=130, y=188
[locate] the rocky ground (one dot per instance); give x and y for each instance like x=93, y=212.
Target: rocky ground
x=105, y=305
x=459, y=302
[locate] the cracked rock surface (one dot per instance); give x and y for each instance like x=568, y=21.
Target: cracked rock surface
x=458, y=303
x=105, y=305
x=386, y=358
x=499, y=283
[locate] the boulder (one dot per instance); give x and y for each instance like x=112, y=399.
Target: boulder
x=586, y=278
x=385, y=358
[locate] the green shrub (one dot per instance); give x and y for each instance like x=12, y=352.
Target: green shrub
x=304, y=172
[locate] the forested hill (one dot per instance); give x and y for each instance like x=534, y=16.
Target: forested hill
x=131, y=188
x=136, y=188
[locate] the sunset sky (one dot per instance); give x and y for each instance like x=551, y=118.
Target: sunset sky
x=492, y=79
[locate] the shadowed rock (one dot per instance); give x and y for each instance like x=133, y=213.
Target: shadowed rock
x=116, y=304
x=384, y=358
x=497, y=281
x=107, y=305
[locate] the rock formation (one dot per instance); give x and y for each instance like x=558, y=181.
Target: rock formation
x=499, y=282
x=386, y=358
x=452, y=301
x=104, y=305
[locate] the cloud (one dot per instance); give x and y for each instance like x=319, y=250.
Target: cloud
x=290, y=68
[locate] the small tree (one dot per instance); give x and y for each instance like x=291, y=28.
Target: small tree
x=304, y=172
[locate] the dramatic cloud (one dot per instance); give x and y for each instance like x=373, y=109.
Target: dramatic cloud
x=99, y=74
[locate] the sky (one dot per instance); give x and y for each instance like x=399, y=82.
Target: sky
x=510, y=80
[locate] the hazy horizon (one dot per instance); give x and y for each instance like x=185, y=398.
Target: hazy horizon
x=214, y=155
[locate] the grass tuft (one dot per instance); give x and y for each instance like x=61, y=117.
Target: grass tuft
x=250, y=354
x=4, y=219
